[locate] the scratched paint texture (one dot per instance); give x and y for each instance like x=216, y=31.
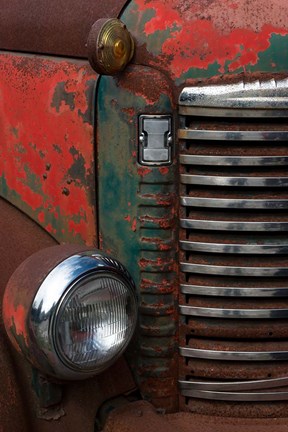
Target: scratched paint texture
x=201, y=39
x=46, y=143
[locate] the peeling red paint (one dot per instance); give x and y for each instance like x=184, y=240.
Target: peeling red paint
x=47, y=143
x=129, y=111
x=134, y=224
x=143, y=171
x=16, y=320
x=164, y=170
x=204, y=33
x=50, y=229
x=41, y=217
x=241, y=47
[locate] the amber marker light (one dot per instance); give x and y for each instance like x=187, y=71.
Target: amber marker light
x=110, y=46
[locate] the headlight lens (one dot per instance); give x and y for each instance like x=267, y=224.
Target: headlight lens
x=94, y=323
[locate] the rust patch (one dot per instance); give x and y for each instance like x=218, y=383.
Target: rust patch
x=148, y=86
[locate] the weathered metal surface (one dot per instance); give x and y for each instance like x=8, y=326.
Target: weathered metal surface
x=137, y=206
x=137, y=416
x=202, y=39
x=57, y=27
x=47, y=152
x=183, y=422
x=142, y=416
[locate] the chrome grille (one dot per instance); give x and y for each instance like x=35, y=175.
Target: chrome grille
x=234, y=241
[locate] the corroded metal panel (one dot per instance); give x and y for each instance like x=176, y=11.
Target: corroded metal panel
x=47, y=144
x=137, y=215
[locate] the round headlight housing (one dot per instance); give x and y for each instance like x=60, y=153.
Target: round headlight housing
x=76, y=316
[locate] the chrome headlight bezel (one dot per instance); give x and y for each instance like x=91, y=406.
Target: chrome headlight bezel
x=41, y=345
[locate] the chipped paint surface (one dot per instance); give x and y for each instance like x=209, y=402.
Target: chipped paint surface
x=47, y=151
x=137, y=223
x=201, y=39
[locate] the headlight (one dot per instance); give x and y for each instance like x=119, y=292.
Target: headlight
x=76, y=318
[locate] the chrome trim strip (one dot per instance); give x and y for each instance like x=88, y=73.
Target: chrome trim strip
x=234, y=248
x=232, y=112
x=233, y=313
x=234, y=385
x=230, y=135
x=234, y=271
x=234, y=203
x=232, y=226
x=234, y=355
x=269, y=94
x=235, y=396
x=233, y=292
x=234, y=160
x=245, y=181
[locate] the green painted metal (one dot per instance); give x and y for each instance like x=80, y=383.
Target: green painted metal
x=137, y=207
x=120, y=187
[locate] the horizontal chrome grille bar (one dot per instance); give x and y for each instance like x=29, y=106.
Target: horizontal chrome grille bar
x=245, y=135
x=234, y=355
x=234, y=313
x=231, y=112
x=237, y=385
x=210, y=180
x=233, y=291
x=234, y=271
x=236, y=396
x=234, y=160
x=234, y=203
x=232, y=226
x=268, y=95
x=234, y=248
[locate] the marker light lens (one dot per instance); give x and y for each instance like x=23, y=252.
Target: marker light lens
x=110, y=46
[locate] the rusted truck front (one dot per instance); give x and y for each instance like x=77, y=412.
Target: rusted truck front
x=146, y=142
